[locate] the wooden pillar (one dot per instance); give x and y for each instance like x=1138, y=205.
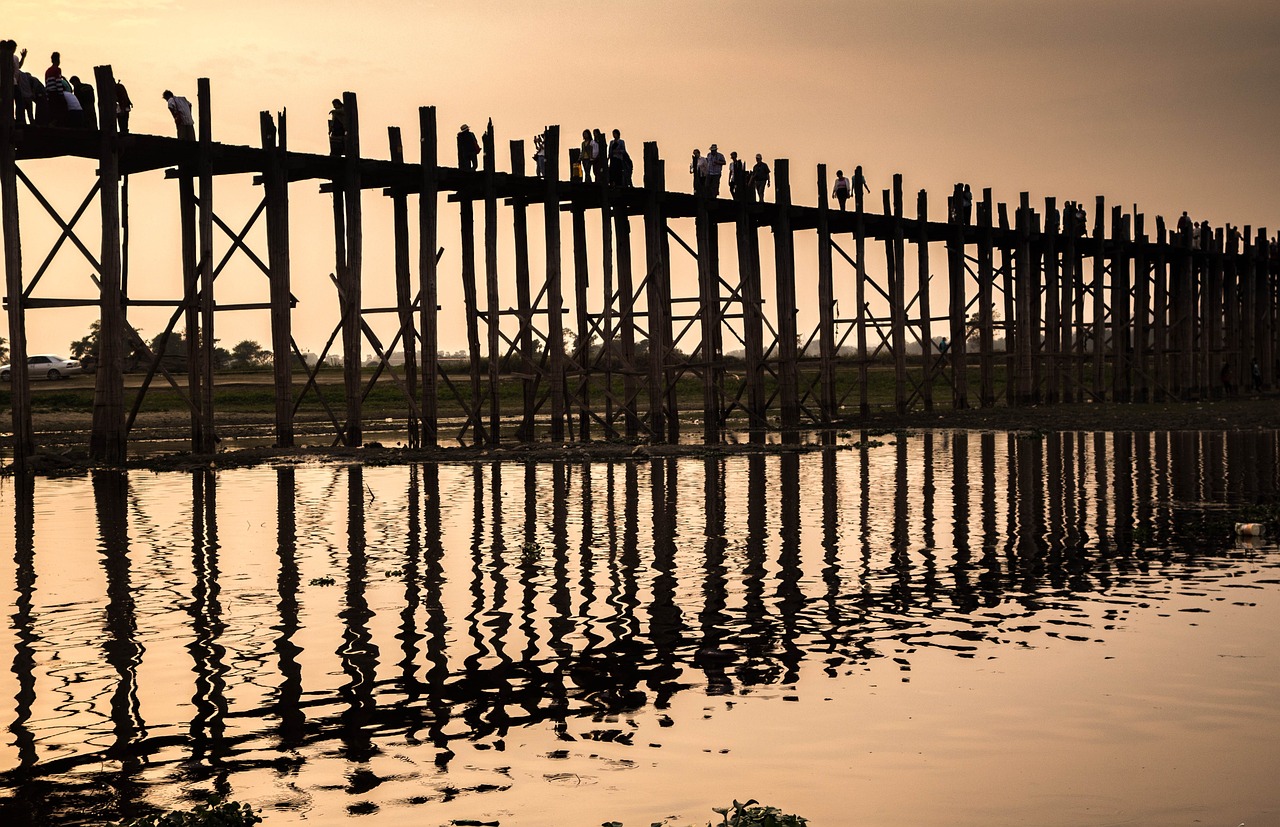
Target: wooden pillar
x=208, y=335
x=1231, y=304
x=1052, y=292
x=1024, y=294
x=957, y=350
x=626, y=318
x=752, y=319
x=24, y=444
x=275, y=185
x=582, y=348
x=467, y=245
x=785, y=273
x=1141, y=310
x=427, y=272
x=108, y=441
x=1211, y=381
x=826, y=307
x=493, y=305
x=655, y=231
x=524, y=339
x=555, y=303
x=1070, y=276
x=1264, y=337
x=191, y=300
x=608, y=310
x=922, y=290
x=1099, y=301
x=860, y=292
x=1121, y=379
x=1011, y=321
x=1160, y=312
x=986, y=308
x=1184, y=291
x=898, y=295
x=1036, y=326
x=709, y=318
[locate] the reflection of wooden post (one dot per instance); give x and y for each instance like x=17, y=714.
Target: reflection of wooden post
x=427, y=215
x=555, y=303
x=826, y=306
x=785, y=273
x=520, y=224
x=492, y=302
x=922, y=290
x=208, y=338
x=275, y=187
x=19, y=389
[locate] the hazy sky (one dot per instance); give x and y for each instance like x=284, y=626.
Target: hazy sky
x=1167, y=105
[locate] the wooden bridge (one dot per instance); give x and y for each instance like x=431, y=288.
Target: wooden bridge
x=1107, y=313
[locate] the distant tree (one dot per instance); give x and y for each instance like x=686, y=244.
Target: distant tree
x=248, y=354
x=87, y=348
x=221, y=357
x=4, y=350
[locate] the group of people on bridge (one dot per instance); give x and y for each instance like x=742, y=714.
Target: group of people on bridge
x=707, y=170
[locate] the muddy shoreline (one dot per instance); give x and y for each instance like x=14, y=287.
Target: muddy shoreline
x=62, y=435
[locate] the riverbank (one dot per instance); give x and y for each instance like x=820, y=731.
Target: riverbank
x=158, y=438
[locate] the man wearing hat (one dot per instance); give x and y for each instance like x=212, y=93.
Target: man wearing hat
x=468, y=149
x=715, y=164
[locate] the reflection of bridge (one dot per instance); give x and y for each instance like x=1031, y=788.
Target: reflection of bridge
x=1148, y=317
x=570, y=613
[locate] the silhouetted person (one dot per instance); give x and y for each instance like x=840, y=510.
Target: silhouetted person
x=180, y=109
x=737, y=176
x=54, y=86
x=698, y=169
x=840, y=191
x=20, y=104
x=859, y=182
x=760, y=177
x=619, y=161
x=602, y=161
x=966, y=205
x=123, y=107
x=715, y=170
x=88, y=111
x=337, y=128
x=468, y=149
x=590, y=150
x=1184, y=226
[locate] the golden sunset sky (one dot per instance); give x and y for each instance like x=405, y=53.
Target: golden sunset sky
x=1166, y=105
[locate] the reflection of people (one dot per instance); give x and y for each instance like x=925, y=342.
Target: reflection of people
x=180, y=109
x=468, y=149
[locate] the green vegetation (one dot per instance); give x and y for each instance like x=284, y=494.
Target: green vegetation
x=749, y=814
x=216, y=812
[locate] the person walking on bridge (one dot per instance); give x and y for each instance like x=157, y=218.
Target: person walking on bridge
x=840, y=191
x=468, y=149
x=760, y=177
x=180, y=109
x=715, y=168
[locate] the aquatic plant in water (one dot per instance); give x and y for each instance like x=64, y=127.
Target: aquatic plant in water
x=216, y=812
x=746, y=814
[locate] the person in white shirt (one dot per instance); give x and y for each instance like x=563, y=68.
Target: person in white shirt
x=180, y=108
x=715, y=164
x=841, y=190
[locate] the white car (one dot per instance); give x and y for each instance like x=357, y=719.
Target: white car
x=46, y=366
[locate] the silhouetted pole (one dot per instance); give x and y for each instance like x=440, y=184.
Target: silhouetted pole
x=898, y=303
x=922, y=290
x=957, y=349
x=1099, y=300
x=466, y=224
x=709, y=317
x=986, y=321
x=24, y=445
x=860, y=296
x=1025, y=286
x=582, y=338
x=208, y=338
x=1052, y=293
x=655, y=230
x=555, y=302
x=1141, y=310
x=493, y=307
x=752, y=319
x=427, y=273
x=1121, y=321
x=626, y=316
x=351, y=293
x=524, y=339
x=785, y=274
x=276, y=191
x=826, y=307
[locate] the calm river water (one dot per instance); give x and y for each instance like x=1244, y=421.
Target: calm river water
x=949, y=629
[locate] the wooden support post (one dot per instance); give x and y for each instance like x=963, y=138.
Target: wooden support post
x=582, y=343
x=1160, y=312
x=860, y=294
x=1264, y=335
x=785, y=273
x=1036, y=326
x=608, y=346
x=208, y=336
x=986, y=307
x=1211, y=346
x=1141, y=310
x=404, y=292
x=1025, y=293
x=1011, y=320
x=1184, y=302
x=752, y=320
x=493, y=305
x=276, y=191
x=1052, y=293
x=108, y=440
x=626, y=318
x=467, y=240
x=922, y=290
x=1121, y=378
x=555, y=303
x=1070, y=297
x=957, y=350
x=1099, y=300
x=826, y=307
x=24, y=444
x=1231, y=305
x=709, y=318
x=351, y=301
x=191, y=299
x=529, y=379
x=898, y=295
x=655, y=232
x=427, y=273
